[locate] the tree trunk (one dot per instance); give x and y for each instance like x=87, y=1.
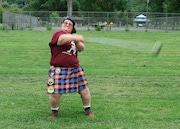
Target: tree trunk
x=70, y=8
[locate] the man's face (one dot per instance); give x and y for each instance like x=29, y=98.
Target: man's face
x=67, y=26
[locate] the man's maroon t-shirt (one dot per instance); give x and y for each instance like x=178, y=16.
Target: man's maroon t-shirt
x=65, y=55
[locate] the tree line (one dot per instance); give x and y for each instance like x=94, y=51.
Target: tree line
x=163, y=6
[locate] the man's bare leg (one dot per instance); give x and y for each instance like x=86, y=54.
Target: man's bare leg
x=86, y=100
x=54, y=100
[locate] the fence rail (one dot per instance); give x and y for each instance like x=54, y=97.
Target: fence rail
x=87, y=20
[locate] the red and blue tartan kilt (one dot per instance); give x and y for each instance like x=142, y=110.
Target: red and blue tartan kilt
x=66, y=80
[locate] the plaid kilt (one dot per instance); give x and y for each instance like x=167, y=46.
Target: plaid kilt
x=66, y=80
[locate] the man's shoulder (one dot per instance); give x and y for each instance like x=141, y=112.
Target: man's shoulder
x=58, y=32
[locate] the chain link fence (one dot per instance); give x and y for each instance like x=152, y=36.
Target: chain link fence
x=113, y=21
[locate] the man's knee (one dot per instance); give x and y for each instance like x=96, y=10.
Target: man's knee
x=84, y=92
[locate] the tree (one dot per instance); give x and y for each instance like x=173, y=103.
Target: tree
x=20, y=3
x=47, y=5
x=136, y=5
x=1, y=9
x=99, y=5
x=102, y=5
x=172, y=6
x=7, y=7
x=70, y=7
x=53, y=5
x=156, y=5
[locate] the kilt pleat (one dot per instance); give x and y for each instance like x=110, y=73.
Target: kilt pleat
x=66, y=80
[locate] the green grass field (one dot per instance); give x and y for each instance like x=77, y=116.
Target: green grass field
x=130, y=89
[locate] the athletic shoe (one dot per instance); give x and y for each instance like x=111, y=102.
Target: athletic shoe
x=89, y=113
x=53, y=114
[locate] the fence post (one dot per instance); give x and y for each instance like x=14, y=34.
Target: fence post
x=107, y=17
x=126, y=27
x=147, y=15
x=166, y=22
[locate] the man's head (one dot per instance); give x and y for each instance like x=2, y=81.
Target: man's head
x=68, y=26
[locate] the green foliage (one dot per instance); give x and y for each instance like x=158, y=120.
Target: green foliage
x=98, y=28
x=10, y=7
x=156, y=5
x=76, y=5
x=20, y=3
x=136, y=6
x=126, y=27
x=1, y=9
x=1, y=27
x=172, y=6
x=50, y=5
x=13, y=27
x=102, y=5
x=5, y=5
x=55, y=17
x=49, y=27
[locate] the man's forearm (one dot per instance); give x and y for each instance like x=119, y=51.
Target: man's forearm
x=66, y=38
x=80, y=46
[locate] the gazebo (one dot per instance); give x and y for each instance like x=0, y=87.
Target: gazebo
x=141, y=20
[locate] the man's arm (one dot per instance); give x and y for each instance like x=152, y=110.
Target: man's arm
x=66, y=38
x=80, y=46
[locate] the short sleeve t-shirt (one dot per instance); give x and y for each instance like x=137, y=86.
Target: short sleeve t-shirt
x=65, y=55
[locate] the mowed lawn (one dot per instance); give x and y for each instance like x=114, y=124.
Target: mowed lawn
x=130, y=89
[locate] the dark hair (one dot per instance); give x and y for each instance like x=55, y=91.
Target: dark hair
x=73, y=30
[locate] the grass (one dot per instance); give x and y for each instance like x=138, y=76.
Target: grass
x=130, y=89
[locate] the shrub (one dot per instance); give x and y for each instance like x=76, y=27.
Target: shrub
x=49, y=27
x=98, y=28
